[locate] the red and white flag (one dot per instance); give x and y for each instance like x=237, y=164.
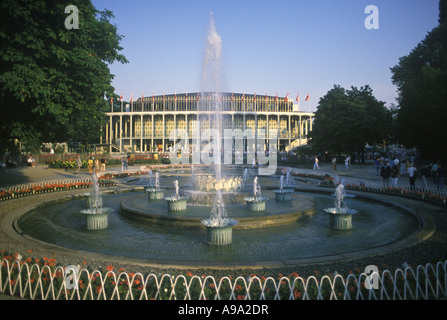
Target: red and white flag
x=308, y=97
x=276, y=97
x=254, y=97
x=121, y=98
x=286, y=98
x=298, y=97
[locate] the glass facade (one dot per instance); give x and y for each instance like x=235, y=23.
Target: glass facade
x=146, y=126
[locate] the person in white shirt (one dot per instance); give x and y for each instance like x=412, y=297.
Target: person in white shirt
x=412, y=172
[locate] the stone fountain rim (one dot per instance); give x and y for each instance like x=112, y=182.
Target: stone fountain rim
x=9, y=225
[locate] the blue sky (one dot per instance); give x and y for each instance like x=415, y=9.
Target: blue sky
x=280, y=46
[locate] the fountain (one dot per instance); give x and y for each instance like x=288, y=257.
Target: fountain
x=155, y=192
x=257, y=202
x=219, y=226
x=340, y=216
x=96, y=214
x=176, y=202
x=146, y=230
x=283, y=194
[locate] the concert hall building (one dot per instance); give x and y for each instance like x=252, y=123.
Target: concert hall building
x=145, y=124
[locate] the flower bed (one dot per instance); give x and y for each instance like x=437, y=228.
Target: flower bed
x=52, y=187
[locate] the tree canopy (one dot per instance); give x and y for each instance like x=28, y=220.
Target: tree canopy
x=421, y=79
x=347, y=120
x=53, y=79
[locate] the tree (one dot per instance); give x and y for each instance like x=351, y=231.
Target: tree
x=346, y=120
x=421, y=79
x=53, y=79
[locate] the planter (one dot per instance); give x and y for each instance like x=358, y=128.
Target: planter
x=175, y=205
x=219, y=235
x=340, y=221
x=97, y=221
x=155, y=194
x=283, y=195
x=256, y=205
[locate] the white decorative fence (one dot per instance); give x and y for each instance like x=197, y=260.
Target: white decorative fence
x=51, y=282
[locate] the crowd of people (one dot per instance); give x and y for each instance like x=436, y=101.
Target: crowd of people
x=392, y=169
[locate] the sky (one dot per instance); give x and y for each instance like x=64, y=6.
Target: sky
x=268, y=46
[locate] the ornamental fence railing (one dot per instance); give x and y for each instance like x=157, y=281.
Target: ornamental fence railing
x=51, y=282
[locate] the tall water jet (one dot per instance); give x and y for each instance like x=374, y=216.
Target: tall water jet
x=211, y=83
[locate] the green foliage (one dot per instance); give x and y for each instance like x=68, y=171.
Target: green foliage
x=421, y=79
x=54, y=79
x=346, y=120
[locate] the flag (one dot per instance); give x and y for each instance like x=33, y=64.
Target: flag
x=286, y=98
x=153, y=96
x=276, y=97
x=186, y=96
x=163, y=96
x=175, y=95
x=232, y=97
x=308, y=97
x=131, y=97
x=198, y=96
x=265, y=96
x=121, y=98
x=111, y=101
x=298, y=97
x=254, y=97
x=142, y=97
x=243, y=96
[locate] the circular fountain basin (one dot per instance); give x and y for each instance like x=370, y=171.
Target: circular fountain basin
x=377, y=226
x=275, y=213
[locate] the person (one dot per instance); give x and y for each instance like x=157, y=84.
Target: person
x=394, y=176
x=103, y=164
x=385, y=173
x=347, y=162
x=78, y=164
x=412, y=173
x=425, y=172
x=434, y=173
x=377, y=166
x=316, y=166
x=124, y=164
x=97, y=166
x=90, y=165
x=334, y=163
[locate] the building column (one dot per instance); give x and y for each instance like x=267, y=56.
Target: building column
x=141, y=131
x=121, y=133
x=131, y=133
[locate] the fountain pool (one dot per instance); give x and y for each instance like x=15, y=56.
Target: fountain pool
x=376, y=225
